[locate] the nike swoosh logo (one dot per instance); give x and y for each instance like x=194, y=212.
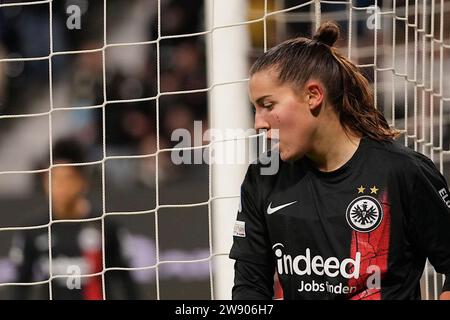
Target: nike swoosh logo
x=272, y=210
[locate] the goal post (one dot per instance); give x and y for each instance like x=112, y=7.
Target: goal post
x=227, y=54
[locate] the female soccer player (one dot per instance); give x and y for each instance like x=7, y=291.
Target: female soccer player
x=350, y=214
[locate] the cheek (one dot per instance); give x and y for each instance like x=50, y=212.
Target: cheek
x=295, y=127
x=287, y=118
x=277, y=120
x=288, y=121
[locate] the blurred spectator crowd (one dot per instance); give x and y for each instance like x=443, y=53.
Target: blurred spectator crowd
x=114, y=101
x=131, y=72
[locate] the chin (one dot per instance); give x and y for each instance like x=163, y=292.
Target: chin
x=289, y=157
x=285, y=156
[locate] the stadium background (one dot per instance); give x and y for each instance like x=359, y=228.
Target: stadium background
x=419, y=105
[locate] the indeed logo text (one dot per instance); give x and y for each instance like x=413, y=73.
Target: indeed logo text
x=307, y=265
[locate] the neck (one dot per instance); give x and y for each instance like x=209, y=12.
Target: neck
x=332, y=146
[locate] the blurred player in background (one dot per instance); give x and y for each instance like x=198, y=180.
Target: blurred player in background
x=350, y=214
x=76, y=246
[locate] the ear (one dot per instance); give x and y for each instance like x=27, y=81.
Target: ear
x=314, y=91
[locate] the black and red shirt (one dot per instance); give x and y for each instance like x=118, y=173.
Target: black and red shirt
x=77, y=250
x=363, y=231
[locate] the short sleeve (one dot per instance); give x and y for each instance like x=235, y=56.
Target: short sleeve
x=430, y=215
x=250, y=237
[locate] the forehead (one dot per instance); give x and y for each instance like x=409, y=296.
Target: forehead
x=264, y=79
x=66, y=171
x=266, y=83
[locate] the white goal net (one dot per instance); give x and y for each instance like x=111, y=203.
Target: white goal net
x=149, y=88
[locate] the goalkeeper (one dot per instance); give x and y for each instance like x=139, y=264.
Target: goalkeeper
x=350, y=214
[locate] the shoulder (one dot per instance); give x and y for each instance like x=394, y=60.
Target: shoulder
x=38, y=222
x=404, y=165
x=31, y=232
x=268, y=169
x=396, y=155
x=264, y=179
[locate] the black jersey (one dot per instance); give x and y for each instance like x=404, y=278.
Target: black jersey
x=363, y=231
x=76, y=250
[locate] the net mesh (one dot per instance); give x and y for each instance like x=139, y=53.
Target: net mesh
x=402, y=46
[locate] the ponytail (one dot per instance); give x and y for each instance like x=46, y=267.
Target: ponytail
x=356, y=110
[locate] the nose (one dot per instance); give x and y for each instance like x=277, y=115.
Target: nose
x=261, y=122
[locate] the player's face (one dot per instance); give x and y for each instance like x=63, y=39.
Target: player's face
x=67, y=186
x=278, y=106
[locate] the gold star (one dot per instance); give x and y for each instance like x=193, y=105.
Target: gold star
x=361, y=189
x=374, y=190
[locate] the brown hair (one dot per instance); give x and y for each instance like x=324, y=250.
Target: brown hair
x=300, y=59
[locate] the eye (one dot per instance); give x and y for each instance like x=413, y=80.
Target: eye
x=267, y=105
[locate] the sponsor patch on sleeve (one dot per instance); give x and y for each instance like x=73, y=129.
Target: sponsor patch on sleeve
x=445, y=197
x=239, y=229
